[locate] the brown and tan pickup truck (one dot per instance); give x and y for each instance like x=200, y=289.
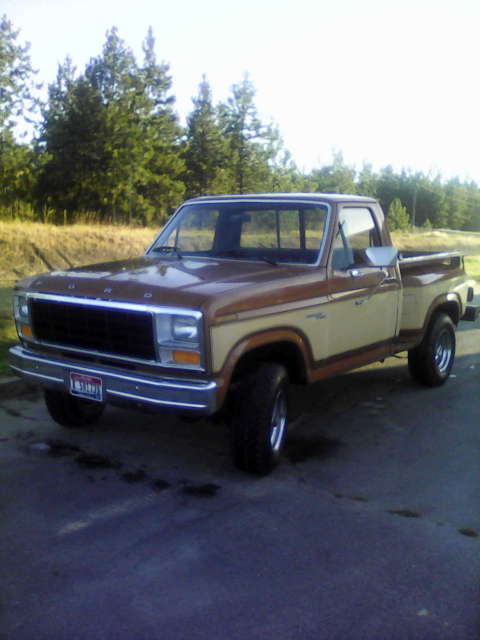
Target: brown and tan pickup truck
x=237, y=297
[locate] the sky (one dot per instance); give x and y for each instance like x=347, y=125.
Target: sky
x=384, y=82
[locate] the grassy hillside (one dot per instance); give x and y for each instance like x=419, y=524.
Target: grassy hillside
x=29, y=248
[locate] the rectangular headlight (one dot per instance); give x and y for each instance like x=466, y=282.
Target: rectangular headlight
x=185, y=328
x=21, y=313
x=179, y=338
x=20, y=308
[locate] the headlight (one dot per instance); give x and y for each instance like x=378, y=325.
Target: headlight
x=21, y=314
x=20, y=308
x=179, y=339
x=185, y=328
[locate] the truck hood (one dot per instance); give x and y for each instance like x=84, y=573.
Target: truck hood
x=219, y=286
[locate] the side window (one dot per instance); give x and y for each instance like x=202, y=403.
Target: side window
x=356, y=232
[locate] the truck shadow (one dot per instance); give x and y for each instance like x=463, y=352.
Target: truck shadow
x=345, y=415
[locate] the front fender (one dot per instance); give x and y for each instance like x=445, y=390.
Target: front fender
x=278, y=340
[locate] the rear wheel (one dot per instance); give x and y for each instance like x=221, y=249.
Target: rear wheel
x=431, y=362
x=260, y=419
x=70, y=411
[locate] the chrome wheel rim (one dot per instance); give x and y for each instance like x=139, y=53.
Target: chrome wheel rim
x=278, y=421
x=443, y=351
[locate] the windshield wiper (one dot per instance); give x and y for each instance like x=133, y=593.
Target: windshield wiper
x=238, y=253
x=269, y=260
x=225, y=253
x=168, y=249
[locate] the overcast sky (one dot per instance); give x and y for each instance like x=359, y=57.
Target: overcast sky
x=384, y=82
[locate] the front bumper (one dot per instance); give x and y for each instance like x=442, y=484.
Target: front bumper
x=119, y=386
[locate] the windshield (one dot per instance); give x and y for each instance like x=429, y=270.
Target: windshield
x=273, y=232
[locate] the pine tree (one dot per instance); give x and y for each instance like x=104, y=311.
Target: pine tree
x=16, y=77
x=252, y=146
x=336, y=177
x=162, y=186
x=205, y=153
x=398, y=218
x=17, y=102
x=112, y=138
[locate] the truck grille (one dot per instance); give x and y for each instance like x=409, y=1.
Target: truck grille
x=101, y=329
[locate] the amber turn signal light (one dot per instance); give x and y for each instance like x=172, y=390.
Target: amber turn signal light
x=26, y=331
x=186, y=357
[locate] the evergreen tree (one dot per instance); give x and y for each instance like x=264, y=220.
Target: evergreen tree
x=252, y=146
x=205, y=153
x=334, y=178
x=17, y=102
x=75, y=121
x=367, y=181
x=16, y=77
x=162, y=185
x=112, y=138
x=285, y=176
x=398, y=218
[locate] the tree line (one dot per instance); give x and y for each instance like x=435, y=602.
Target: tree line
x=109, y=147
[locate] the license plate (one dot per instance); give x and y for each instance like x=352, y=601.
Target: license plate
x=85, y=386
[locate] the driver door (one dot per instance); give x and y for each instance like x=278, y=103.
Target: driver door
x=359, y=319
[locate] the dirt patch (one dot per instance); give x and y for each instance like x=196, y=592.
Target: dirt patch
x=336, y=494
x=12, y=412
x=405, y=513
x=95, y=461
x=208, y=490
x=134, y=476
x=160, y=485
x=59, y=448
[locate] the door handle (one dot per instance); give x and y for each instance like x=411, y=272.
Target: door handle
x=390, y=280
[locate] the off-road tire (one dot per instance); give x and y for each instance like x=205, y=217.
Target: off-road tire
x=70, y=411
x=260, y=419
x=431, y=362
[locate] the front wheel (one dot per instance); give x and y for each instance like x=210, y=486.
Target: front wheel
x=431, y=362
x=70, y=411
x=260, y=419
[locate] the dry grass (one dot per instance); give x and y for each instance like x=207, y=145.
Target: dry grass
x=438, y=239
x=444, y=240
x=29, y=248
x=23, y=245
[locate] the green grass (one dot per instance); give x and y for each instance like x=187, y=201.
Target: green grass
x=472, y=267
x=8, y=334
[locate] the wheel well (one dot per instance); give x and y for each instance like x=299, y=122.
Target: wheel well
x=285, y=353
x=451, y=309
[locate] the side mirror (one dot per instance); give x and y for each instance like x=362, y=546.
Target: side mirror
x=381, y=256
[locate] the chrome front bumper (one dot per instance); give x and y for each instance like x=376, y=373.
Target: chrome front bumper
x=171, y=393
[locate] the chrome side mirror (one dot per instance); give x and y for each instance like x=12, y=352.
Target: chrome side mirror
x=381, y=256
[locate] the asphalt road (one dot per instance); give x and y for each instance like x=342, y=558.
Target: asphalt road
x=142, y=530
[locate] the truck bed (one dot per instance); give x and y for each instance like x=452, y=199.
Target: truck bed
x=413, y=260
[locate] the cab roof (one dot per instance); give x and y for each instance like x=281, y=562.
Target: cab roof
x=275, y=197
